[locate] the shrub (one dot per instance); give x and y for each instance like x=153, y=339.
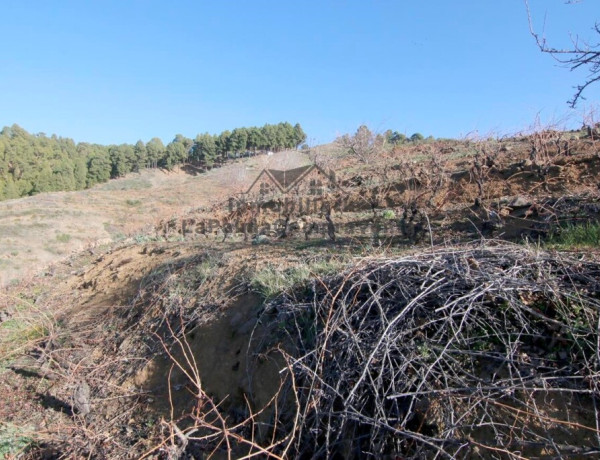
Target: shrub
x=63, y=237
x=133, y=202
x=14, y=440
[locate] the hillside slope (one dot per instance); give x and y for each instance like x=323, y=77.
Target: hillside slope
x=404, y=326
x=45, y=228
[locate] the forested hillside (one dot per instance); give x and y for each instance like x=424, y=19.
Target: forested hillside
x=35, y=163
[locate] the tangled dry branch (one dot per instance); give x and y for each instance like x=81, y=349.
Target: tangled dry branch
x=449, y=353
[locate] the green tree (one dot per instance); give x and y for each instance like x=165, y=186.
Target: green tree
x=140, y=156
x=43, y=181
x=186, y=141
x=417, y=137
x=121, y=159
x=62, y=175
x=99, y=167
x=80, y=172
x=10, y=189
x=281, y=136
x=33, y=163
x=156, y=150
x=299, y=135
x=394, y=137
x=222, y=143
x=204, y=150
x=270, y=137
x=238, y=140
x=175, y=153
x=256, y=139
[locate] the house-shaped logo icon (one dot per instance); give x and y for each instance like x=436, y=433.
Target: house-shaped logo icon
x=305, y=180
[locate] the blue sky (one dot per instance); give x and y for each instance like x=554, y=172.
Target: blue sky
x=119, y=71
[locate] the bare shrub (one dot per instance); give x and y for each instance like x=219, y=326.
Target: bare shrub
x=592, y=126
x=450, y=353
x=364, y=145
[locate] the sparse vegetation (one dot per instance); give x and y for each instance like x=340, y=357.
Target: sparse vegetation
x=63, y=237
x=133, y=203
x=575, y=236
x=14, y=440
x=388, y=214
x=272, y=280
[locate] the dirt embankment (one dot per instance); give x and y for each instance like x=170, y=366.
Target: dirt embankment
x=109, y=321
x=166, y=349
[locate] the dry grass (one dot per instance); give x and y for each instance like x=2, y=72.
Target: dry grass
x=24, y=327
x=112, y=211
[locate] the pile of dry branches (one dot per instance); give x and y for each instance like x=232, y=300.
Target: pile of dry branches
x=472, y=352
x=490, y=352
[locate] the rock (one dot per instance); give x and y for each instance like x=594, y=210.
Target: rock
x=4, y=316
x=81, y=399
x=261, y=239
x=562, y=355
x=520, y=202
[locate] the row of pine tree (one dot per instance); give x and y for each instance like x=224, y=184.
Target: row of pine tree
x=35, y=163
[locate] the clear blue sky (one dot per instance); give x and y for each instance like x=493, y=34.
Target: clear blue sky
x=118, y=71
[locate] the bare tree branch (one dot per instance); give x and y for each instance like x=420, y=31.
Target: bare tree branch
x=581, y=54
